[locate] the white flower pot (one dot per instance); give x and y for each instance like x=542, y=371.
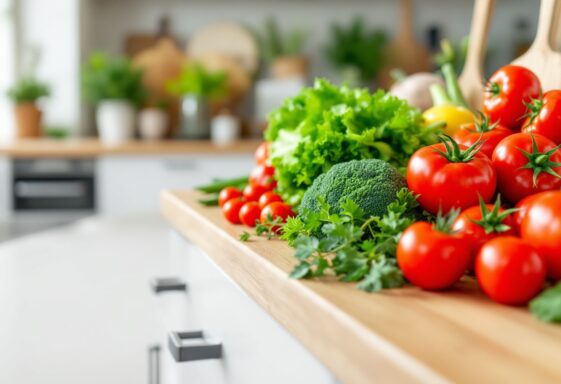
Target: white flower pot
x=115, y=121
x=152, y=123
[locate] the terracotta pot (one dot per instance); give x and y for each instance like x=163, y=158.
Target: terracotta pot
x=28, y=120
x=290, y=67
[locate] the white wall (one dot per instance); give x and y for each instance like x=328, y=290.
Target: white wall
x=53, y=27
x=7, y=66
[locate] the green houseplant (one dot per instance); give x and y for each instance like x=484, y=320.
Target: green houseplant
x=283, y=52
x=25, y=93
x=356, y=51
x=197, y=87
x=114, y=86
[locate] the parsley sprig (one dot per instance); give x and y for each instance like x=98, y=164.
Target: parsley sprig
x=353, y=247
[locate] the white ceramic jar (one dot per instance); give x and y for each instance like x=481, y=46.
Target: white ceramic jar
x=115, y=121
x=152, y=123
x=225, y=129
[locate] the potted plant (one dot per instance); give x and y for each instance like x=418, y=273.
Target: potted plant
x=115, y=87
x=284, y=53
x=356, y=51
x=25, y=93
x=197, y=87
x=153, y=120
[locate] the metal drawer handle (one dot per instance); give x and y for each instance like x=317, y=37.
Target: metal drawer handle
x=190, y=346
x=166, y=284
x=154, y=364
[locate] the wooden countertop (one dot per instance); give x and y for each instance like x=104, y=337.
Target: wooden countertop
x=402, y=335
x=89, y=147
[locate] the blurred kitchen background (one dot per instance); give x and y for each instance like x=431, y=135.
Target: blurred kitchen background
x=169, y=59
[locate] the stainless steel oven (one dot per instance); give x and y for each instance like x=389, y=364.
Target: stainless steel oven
x=48, y=192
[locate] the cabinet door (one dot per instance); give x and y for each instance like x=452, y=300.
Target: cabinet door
x=256, y=349
x=133, y=183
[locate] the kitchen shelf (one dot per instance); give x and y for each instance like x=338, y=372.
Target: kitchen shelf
x=86, y=147
x=400, y=335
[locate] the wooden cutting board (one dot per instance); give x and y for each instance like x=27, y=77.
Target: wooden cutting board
x=405, y=52
x=138, y=42
x=160, y=63
x=472, y=78
x=540, y=57
x=228, y=39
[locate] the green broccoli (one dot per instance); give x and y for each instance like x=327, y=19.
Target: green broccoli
x=371, y=183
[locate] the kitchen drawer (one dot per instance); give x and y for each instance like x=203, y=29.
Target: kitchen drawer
x=256, y=349
x=133, y=183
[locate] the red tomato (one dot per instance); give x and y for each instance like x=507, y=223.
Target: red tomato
x=250, y=213
x=254, y=192
x=448, y=175
x=263, y=175
x=488, y=134
x=522, y=209
x=545, y=116
x=510, y=270
x=276, y=210
x=541, y=227
x=484, y=222
x=508, y=91
x=231, y=210
x=262, y=153
x=268, y=198
x=432, y=259
x=522, y=162
x=227, y=194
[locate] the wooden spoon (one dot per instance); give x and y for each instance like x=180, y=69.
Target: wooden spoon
x=540, y=57
x=405, y=52
x=472, y=80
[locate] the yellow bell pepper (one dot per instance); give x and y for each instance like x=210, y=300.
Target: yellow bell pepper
x=453, y=115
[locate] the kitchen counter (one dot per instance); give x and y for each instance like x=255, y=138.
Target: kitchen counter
x=90, y=147
x=401, y=335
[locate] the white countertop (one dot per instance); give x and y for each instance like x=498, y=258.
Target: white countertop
x=76, y=304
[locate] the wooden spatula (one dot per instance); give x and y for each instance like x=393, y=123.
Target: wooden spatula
x=405, y=52
x=472, y=79
x=540, y=57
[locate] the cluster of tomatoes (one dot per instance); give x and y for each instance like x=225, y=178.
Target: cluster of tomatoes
x=257, y=202
x=512, y=152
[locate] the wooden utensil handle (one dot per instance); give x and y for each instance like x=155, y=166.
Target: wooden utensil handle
x=546, y=23
x=406, y=19
x=480, y=23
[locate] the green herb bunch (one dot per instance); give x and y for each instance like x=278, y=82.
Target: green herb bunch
x=197, y=80
x=105, y=78
x=354, y=46
x=325, y=125
x=273, y=44
x=28, y=90
x=350, y=245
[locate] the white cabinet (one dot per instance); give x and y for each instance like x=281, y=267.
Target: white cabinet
x=133, y=183
x=256, y=349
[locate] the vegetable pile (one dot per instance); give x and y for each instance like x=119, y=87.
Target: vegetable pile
x=325, y=125
x=356, y=184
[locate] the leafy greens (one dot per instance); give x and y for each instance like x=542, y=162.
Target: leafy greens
x=349, y=244
x=325, y=125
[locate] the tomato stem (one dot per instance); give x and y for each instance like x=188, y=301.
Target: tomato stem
x=444, y=223
x=540, y=162
x=492, y=221
x=454, y=153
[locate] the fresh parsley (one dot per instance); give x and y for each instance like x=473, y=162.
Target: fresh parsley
x=245, y=236
x=353, y=247
x=547, y=306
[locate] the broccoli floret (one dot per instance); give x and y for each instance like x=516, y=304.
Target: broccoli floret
x=371, y=183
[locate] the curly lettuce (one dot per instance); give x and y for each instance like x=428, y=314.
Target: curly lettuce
x=325, y=125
